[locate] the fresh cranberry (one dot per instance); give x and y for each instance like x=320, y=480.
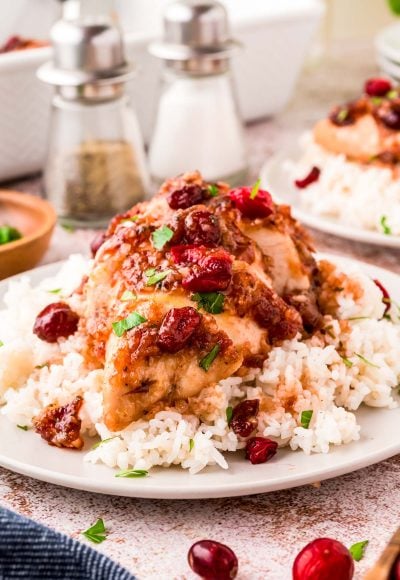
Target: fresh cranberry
x=323, y=559
x=244, y=417
x=202, y=228
x=342, y=116
x=391, y=118
x=212, y=273
x=309, y=179
x=55, y=321
x=185, y=197
x=187, y=254
x=377, y=87
x=177, y=327
x=260, y=449
x=97, y=242
x=385, y=295
x=261, y=206
x=213, y=561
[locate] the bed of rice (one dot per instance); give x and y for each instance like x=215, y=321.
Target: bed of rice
x=311, y=372
x=357, y=195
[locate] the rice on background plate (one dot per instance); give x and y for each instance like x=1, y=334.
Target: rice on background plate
x=309, y=373
x=363, y=196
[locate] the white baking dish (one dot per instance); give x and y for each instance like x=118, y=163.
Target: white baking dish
x=275, y=36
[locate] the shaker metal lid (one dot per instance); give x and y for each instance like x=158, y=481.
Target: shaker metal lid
x=195, y=29
x=86, y=53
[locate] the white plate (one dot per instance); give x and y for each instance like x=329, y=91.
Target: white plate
x=24, y=452
x=276, y=179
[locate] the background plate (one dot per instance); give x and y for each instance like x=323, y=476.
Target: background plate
x=24, y=452
x=277, y=180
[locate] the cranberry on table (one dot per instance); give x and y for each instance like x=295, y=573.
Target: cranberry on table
x=97, y=242
x=213, y=561
x=211, y=274
x=55, y=321
x=261, y=206
x=185, y=197
x=202, y=228
x=377, y=87
x=260, y=449
x=177, y=327
x=323, y=559
x=244, y=417
x=312, y=177
x=385, y=295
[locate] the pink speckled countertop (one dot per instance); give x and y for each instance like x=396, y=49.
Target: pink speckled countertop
x=151, y=538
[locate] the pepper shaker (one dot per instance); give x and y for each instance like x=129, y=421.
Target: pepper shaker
x=95, y=164
x=198, y=125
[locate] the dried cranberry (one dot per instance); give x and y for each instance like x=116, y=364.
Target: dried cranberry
x=342, y=116
x=244, y=417
x=377, y=87
x=323, y=559
x=185, y=197
x=55, y=321
x=97, y=242
x=260, y=449
x=213, y=561
x=177, y=327
x=187, y=254
x=212, y=273
x=309, y=179
x=260, y=207
x=202, y=228
x=391, y=118
x=385, y=296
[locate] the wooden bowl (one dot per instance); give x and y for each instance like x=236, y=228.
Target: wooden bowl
x=35, y=219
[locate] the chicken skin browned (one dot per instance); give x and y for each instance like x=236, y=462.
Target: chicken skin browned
x=190, y=288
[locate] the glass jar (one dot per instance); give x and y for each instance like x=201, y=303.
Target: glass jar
x=198, y=126
x=95, y=165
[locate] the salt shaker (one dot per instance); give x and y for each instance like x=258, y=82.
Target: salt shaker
x=197, y=125
x=96, y=164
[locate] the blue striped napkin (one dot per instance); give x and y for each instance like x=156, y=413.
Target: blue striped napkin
x=32, y=551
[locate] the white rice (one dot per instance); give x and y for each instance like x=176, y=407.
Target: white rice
x=311, y=372
x=355, y=194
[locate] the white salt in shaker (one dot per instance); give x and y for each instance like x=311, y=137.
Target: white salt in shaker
x=198, y=125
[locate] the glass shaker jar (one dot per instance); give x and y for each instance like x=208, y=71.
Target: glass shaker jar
x=198, y=125
x=96, y=164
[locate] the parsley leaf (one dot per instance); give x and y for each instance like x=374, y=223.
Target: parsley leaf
x=99, y=443
x=161, y=237
x=357, y=550
x=229, y=413
x=134, y=319
x=23, y=427
x=346, y=361
x=207, y=361
x=387, y=230
x=342, y=115
x=96, y=533
x=154, y=277
x=1, y=343
x=191, y=444
x=131, y=473
x=393, y=94
x=366, y=361
x=212, y=302
x=255, y=188
x=127, y=296
x=213, y=190
x=305, y=418
x=9, y=234
x=377, y=101
x=68, y=228
x=55, y=291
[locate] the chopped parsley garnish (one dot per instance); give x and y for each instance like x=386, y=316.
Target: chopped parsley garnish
x=23, y=427
x=55, y=291
x=358, y=318
x=99, y=443
x=162, y=236
x=68, y=228
x=305, y=418
x=207, y=361
x=127, y=296
x=357, y=550
x=346, y=361
x=329, y=330
x=366, y=361
x=1, y=343
x=229, y=413
x=154, y=277
x=393, y=94
x=212, y=302
x=46, y=364
x=191, y=444
x=212, y=190
x=134, y=319
x=342, y=115
x=255, y=188
x=131, y=473
x=387, y=230
x=376, y=101
x=9, y=234
x=96, y=533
